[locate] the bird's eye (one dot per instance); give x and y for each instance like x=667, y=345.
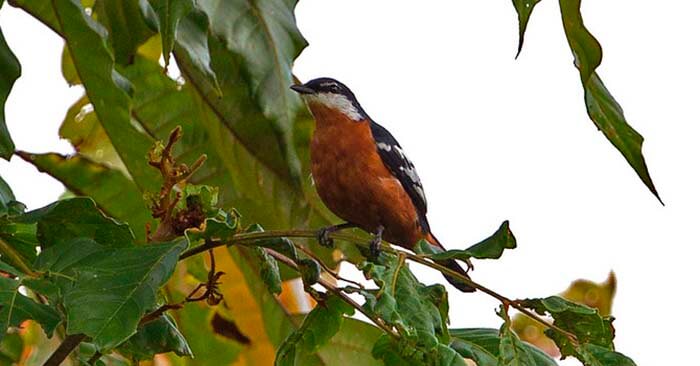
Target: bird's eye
x=335, y=89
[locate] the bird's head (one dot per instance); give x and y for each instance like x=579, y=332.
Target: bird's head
x=331, y=94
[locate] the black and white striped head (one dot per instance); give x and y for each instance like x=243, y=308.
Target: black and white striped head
x=332, y=94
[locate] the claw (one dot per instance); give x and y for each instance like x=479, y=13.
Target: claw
x=324, y=238
x=470, y=265
x=323, y=234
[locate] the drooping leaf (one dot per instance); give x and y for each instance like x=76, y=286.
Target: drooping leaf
x=112, y=289
x=107, y=90
x=157, y=336
x=318, y=328
x=113, y=192
x=169, y=14
x=602, y=108
x=269, y=271
x=524, y=9
x=310, y=271
x=10, y=70
x=256, y=77
x=126, y=26
x=193, y=39
x=489, y=248
x=16, y=308
x=75, y=218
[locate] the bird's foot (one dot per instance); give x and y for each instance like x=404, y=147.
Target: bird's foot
x=323, y=235
x=375, y=243
x=324, y=238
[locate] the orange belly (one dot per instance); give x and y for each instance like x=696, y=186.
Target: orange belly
x=353, y=182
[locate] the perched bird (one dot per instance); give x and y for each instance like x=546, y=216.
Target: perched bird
x=363, y=175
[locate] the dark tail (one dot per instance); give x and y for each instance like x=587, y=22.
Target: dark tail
x=453, y=265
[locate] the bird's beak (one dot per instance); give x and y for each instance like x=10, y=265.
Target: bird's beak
x=301, y=89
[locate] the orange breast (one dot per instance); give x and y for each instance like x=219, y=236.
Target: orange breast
x=353, y=182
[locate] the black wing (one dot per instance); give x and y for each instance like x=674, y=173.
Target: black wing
x=398, y=164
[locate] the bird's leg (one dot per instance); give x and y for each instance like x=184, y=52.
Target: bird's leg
x=323, y=235
x=376, y=241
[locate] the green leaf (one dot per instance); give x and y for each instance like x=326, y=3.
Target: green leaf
x=113, y=192
x=405, y=352
x=169, y=14
x=402, y=301
x=126, y=26
x=594, y=334
x=310, y=271
x=351, y=345
x=39, y=9
x=106, y=88
x=252, y=52
x=269, y=271
x=593, y=355
x=602, y=108
x=10, y=70
x=16, y=308
x=6, y=197
x=77, y=217
x=157, y=336
x=113, y=288
x=489, y=248
x=318, y=328
x=524, y=9
x=483, y=345
x=193, y=39
x=584, y=322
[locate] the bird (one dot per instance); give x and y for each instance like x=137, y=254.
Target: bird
x=363, y=175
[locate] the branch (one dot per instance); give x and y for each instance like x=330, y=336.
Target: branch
x=65, y=349
x=248, y=238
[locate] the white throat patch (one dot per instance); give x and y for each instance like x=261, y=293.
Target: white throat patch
x=338, y=102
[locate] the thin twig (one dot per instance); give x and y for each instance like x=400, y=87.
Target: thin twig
x=325, y=267
x=330, y=287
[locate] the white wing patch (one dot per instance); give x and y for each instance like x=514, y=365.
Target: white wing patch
x=383, y=146
x=338, y=102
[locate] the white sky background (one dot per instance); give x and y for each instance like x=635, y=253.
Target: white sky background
x=494, y=139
